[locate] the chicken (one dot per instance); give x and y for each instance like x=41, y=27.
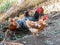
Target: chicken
x=12, y=29
x=36, y=27
x=12, y=25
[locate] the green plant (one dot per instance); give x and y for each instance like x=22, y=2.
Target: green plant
x=4, y=6
x=7, y=4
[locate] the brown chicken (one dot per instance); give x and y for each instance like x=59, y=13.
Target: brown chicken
x=12, y=25
x=36, y=27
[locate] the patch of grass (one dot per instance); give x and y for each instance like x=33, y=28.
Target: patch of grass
x=4, y=7
x=5, y=4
